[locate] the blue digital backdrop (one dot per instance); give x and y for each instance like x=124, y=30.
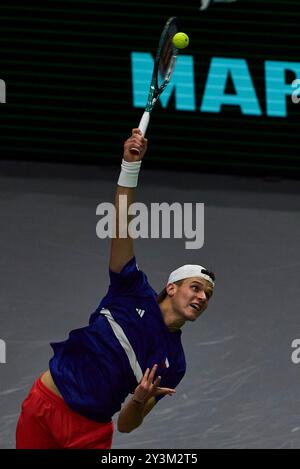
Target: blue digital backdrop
x=77, y=72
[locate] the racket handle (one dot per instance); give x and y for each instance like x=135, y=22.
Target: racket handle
x=144, y=122
x=143, y=126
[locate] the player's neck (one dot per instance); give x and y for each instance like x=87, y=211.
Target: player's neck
x=170, y=318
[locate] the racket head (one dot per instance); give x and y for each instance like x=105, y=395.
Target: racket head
x=164, y=62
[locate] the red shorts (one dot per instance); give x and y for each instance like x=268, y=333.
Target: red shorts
x=46, y=422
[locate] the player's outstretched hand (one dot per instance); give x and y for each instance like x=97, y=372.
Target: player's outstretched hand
x=135, y=141
x=147, y=388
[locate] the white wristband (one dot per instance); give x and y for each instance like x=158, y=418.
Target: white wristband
x=129, y=173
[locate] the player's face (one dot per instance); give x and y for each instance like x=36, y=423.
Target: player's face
x=192, y=297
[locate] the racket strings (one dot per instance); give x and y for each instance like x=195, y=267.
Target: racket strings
x=164, y=63
x=166, y=58
x=168, y=54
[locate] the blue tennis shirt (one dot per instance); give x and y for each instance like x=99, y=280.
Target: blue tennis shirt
x=99, y=365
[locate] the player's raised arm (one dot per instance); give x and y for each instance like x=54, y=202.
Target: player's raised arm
x=122, y=244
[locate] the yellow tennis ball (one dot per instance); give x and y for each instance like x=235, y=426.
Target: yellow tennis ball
x=181, y=40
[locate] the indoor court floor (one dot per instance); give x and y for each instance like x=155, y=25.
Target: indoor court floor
x=241, y=389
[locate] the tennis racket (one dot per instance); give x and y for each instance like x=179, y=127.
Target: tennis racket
x=163, y=68
x=204, y=4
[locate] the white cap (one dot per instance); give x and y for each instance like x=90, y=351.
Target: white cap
x=188, y=271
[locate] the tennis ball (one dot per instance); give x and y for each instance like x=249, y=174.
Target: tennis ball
x=181, y=40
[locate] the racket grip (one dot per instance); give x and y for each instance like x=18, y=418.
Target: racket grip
x=143, y=126
x=144, y=122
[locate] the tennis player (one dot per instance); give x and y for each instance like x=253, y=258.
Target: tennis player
x=132, y=345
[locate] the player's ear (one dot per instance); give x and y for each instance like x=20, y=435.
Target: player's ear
x=171, y=289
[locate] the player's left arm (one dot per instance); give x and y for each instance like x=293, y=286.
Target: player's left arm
x=135, y=410
x=133, y=413
x=149, y=406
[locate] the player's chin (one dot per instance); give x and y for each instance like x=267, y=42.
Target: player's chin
x=192, y=314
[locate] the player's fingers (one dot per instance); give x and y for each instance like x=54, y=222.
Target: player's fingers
x=146, y=374
x=168, y=391
x=157, y=381
x=136, y=141
x=136, y=144
x=152, y=374
x=136, y=131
